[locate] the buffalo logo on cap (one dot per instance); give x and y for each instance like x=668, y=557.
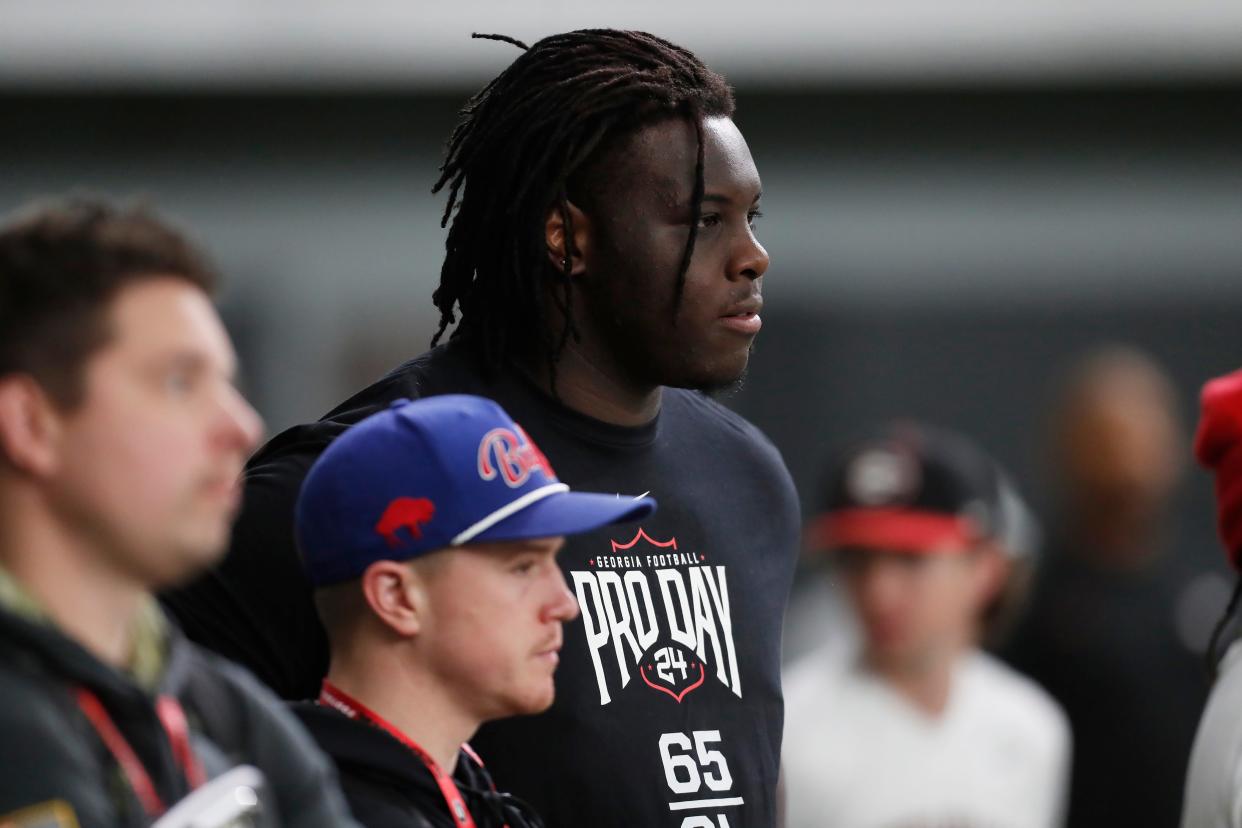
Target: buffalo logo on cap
x=512, y=456
x=409, y=513
x=880, y=476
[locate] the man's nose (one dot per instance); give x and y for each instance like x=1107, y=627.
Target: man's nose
x=241, y=425
x=564, y=606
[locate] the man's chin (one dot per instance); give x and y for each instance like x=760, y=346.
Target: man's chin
x=530, y=705
x=191, y=560
x=725, y=389
x=719, y=381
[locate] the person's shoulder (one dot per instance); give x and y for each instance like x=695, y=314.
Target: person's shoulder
x=371, y=767
x=811, y=674
x=1229, y=671
x=238, y=706
x=711, y=421
x=451, y=368
x=829, y=713
x=244, y=716
x=998, y=680
x=30, y=715
x=46, y=758
x=448, y=368
x=1017, y=702
x=1220, y=713
x=1213, y=793
x=708, y=412
x=822, y=688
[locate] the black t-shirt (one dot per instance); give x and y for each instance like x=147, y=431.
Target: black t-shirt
x=668, y=708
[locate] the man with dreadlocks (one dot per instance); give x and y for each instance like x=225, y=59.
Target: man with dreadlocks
x=602, y=271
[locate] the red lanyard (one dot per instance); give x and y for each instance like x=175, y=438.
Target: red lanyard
x=172, y=717
x=331, y=696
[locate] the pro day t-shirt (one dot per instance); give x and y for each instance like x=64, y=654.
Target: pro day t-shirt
x=668, y=709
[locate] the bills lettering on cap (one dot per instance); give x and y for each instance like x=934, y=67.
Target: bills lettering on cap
x=422, y=476
x=510, y=455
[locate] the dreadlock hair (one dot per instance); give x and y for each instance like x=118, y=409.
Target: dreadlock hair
x=563, y=104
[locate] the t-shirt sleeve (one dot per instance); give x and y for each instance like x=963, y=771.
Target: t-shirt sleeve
x=255, y=608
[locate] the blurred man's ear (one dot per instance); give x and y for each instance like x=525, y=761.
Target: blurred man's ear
x=991, y=571
x=397, y=596
x=29, y=426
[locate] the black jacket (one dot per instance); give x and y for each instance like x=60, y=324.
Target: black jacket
x=49, y=750
x=387, y=786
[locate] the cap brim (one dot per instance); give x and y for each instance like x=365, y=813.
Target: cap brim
x=567, y=513
x=898, y=530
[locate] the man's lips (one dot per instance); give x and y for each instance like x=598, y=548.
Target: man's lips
x=743, y=317
x=550, y=652
x=226, y=488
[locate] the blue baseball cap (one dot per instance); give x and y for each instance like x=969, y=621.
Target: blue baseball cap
x=431, y=474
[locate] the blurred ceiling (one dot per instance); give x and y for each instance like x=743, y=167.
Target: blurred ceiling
x=406, y=44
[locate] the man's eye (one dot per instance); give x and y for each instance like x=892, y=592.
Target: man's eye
x=178, y=383
x=523, y=567
x=709, y=220
x=753, y=217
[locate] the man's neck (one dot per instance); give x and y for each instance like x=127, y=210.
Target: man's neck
x=1120, y=545
x=926, y=684
x=409, y=700
x=74, y=585
x=589, y=387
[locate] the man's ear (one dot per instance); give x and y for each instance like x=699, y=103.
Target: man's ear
x=396, y=595
x=555, y=231
x=30, y=426
x=992, y=572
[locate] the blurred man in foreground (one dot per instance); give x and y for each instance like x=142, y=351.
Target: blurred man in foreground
x=121, y=441
x=921, y=727
x=437, y=582
x=1214, y=780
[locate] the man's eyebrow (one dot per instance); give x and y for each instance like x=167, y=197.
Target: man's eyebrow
x=194, y=361
x=721, y=198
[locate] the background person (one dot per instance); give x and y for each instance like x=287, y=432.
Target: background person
x=1103, y=630
x=919, y=726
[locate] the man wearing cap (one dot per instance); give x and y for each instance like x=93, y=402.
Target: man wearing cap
x=430, y=533
x=919, y=727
